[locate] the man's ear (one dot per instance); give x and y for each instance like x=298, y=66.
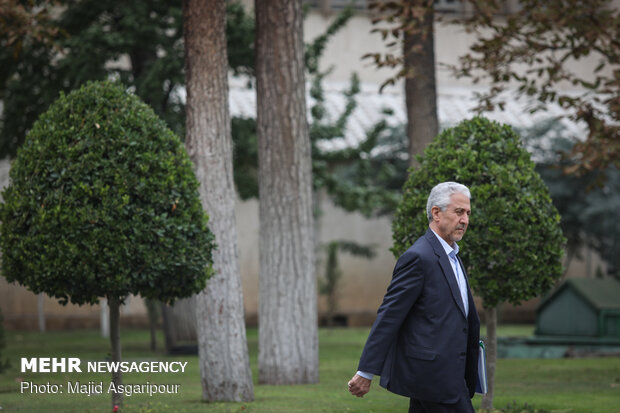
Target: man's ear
x=434, y=212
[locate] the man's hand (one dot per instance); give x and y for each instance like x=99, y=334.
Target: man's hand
x=359, y=386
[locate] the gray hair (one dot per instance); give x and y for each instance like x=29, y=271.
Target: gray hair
x=440, y=196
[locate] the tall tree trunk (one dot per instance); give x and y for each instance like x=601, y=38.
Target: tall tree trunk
x=41, y=311
x=222, y=343
x=104, y=318
x=331, y=280
x=491, y=347
x=115, y=341
x=288, y=332
x=420, y=84
x=153, y=314
x=180, y=323
x=167, y=327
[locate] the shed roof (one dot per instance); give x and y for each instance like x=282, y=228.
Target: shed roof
x=601, y=294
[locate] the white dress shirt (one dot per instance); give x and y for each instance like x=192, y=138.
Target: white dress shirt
x=456, y=268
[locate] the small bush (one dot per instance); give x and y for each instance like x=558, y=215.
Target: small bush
x=103, y=201
x=514, y=243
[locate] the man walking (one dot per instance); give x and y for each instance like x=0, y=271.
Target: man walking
x=424, y=342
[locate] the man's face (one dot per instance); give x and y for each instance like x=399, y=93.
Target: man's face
x=451, y=224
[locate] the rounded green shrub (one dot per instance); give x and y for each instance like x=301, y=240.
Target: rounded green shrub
x=103, y=202
x=513, y=246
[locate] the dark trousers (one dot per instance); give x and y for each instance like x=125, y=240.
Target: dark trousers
x=463, y=405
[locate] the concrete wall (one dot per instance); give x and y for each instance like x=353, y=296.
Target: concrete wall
x=345, y=50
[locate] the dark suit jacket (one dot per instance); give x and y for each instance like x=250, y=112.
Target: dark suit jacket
x=421, y=343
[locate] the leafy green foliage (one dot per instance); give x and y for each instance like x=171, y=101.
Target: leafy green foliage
x=513, y=246
x=365, y=178
x=314, y=50
x=356, y=178
x=240, y=39
x=395, y=21
x=245, y=157
x=103, y=202
x=548, y=38
x=91, y=34
x=584, y=201
x=138, y=42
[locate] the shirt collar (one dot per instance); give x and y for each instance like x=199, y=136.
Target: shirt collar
x=449, y=250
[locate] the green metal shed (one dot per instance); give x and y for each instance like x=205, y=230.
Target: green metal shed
x=581, y=307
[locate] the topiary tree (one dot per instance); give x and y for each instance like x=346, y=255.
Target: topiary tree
x=103, y=203
x=514, y=245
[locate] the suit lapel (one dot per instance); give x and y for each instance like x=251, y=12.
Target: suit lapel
x=446, y=268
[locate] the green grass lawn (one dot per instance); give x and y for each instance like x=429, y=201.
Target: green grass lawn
x=561, y=385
